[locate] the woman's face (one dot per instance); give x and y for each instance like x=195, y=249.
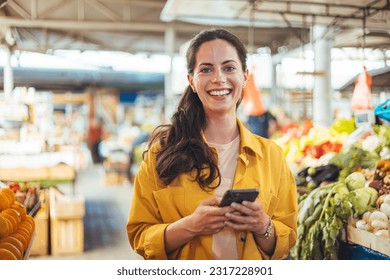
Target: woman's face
x=218, y=77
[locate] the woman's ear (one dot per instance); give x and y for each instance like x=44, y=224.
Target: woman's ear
x=190, y=81
x=246, y=74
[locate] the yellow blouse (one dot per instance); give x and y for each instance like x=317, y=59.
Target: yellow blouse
x=154, y=206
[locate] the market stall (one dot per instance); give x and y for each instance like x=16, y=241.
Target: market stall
x=50, y=167
x=343, y=177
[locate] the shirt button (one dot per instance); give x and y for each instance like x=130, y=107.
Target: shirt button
x=242, y=238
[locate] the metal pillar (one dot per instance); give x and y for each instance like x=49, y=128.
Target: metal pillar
x=168, y=85
x=8, y=74
x=322, y=90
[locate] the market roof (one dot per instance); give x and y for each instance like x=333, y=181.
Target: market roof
x=79, y=79
x=139, y=26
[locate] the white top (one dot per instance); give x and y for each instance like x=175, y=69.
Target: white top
x=224, y=242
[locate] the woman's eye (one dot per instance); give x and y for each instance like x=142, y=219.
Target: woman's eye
x=230, y=68
x=205, y=70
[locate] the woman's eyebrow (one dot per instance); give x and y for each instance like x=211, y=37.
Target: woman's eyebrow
x=210, y=64
x=229, y=61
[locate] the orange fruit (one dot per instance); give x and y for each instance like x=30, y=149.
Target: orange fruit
x=26, y=226
x=14, y=241
x=20, y=208
x=25, y=233
x=10, y=193
x=6, y=255
x=22, y=239
x=11, y=219
x=26, y=236
x=4, y=228
x=4, y=201
x=11, y=228
x=25, y=229
x=30, y=220
x=14, y=213
x=12, y=249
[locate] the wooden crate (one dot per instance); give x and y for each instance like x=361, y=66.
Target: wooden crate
x=66, y=223
x=40, y=245
x=367, y=239
x=66, y=206
x=67, y=236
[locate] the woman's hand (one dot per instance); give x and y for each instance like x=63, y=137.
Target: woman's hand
x=248, y=216
x=208, y=218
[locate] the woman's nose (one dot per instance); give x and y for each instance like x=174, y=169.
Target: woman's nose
x=219, y=77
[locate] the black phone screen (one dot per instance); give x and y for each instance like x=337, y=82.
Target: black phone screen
x=238, y=196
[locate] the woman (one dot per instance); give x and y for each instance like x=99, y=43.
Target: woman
x=204, y=152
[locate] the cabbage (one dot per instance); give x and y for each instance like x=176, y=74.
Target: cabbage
x=363, y=199
x=355, y=180
x=374, y=195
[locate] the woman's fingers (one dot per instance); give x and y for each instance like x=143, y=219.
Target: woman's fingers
x=210, y=219
x=246, y=216
x=248, y=208
x=214, y=201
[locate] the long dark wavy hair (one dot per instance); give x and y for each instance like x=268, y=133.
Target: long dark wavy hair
x=183, y=148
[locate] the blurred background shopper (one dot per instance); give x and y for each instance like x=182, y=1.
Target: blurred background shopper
x=260, y=120
x=206, y=150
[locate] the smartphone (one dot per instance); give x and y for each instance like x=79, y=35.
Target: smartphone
x=238, y=196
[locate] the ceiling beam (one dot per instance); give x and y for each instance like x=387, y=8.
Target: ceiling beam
x=140, y=3
x=83, y=25
x=52, y=9
x=104, y=10
x=14, y=6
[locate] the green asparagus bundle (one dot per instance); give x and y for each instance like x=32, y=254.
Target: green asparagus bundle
x=321, y=216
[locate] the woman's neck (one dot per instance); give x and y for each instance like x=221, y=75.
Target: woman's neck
x=221, y=130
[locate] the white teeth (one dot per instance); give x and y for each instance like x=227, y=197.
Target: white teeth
x=219, y=92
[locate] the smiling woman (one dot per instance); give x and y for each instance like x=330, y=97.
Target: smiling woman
x=205, y=151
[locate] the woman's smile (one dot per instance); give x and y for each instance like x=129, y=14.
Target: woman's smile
x=220, y=92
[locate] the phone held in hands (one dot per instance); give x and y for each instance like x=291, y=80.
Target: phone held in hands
x=238, y=196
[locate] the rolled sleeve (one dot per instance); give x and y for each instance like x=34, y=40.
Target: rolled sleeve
x=154, y=243
x=285, y=239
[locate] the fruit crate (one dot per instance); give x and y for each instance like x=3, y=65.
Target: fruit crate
x=67, y=236
x=66, y=223
x=66, y=206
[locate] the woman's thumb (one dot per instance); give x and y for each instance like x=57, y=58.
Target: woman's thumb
x=214, y=201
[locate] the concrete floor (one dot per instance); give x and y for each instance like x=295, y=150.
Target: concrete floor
x=105, y=220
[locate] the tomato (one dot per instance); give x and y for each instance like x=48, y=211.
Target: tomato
x=314, y=151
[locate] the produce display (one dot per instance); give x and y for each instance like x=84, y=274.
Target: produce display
x=376, y=220
x=26, y=193
x=16, y=226
x=309, y=146
x=335, y=186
